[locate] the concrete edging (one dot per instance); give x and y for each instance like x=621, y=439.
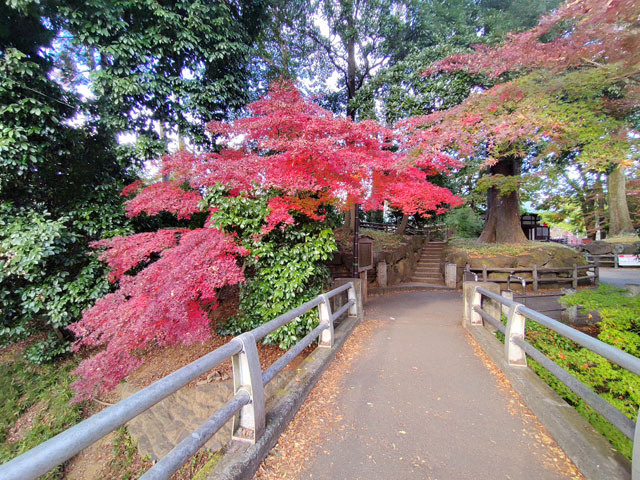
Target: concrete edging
x=242, y=460
x=587, y=448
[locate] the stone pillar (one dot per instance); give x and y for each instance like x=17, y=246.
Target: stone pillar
x=357, y=283
x=506, y=294
x=450, y=275
x=490, y=306
x=381, y=274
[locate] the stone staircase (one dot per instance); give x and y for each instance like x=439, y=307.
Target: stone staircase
x=428, y=267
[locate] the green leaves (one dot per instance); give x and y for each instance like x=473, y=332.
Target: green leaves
x=284, y=269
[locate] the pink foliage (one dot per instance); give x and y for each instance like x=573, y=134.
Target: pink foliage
x=125, y=253
x=164, y=197
x=161, y=305
x=596, y=32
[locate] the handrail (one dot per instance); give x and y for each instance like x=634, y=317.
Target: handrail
x=247, y=406
x=517, y=348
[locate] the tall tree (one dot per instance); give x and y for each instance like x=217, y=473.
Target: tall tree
x=59, y=185
x=591, y=46
x=294, y=159
x=162, y=67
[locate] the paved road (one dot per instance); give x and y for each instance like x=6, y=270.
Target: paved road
x=620, y=276
x=422, y=405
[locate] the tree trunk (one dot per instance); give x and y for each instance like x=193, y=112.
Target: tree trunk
x=503, y=211
x=403, y=225
x=619, y=218
x=351, y=69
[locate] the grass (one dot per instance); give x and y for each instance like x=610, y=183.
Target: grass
x=473, y=247
x=623, y=239
x=34, y=405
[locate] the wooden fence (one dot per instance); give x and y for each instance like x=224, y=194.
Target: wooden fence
x=571, y=275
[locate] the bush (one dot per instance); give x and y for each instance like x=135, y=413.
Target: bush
x=285, y=268
x=465, y=222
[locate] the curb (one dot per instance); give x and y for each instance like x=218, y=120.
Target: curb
x=587, y=448
x=411, y=287
x=242, y=460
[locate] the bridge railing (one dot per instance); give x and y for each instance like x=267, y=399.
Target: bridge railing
x=246, y=407
x=517, y=349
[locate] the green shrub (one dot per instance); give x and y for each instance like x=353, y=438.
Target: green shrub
x=284, y=269
x=465, y=222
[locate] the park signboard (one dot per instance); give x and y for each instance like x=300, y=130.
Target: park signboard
x=629, y=260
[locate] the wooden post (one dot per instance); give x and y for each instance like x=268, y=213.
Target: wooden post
x=575, y=276
x=596, y=274
x=484, y=273
x=363, y=279
x=535, y=278
x=615, y=260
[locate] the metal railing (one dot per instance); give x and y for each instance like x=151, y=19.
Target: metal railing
x=517, y=349
x=246, y=407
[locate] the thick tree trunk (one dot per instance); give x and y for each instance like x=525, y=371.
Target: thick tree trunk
x=619, y=218
x=503, y=211
x=403, y=225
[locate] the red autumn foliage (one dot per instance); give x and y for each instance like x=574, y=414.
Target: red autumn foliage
x=161, y=305
x=581, y=32
x=164, y=197
x=292, y=149
x=124, y=253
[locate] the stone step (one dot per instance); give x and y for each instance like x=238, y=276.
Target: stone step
x=427, y=270
x=437, y=280
x=427, y=275
x=429, y=264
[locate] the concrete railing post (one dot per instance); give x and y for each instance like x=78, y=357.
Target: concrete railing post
x=516, y=323
x=249, y=421
x=508, y=294
x=635, y=459
x=326, y=319
x=476, y=301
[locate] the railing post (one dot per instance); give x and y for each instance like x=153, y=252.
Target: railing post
x=352, y=295
x=635, y=459
x=476, y=301
x=326, y=318
x=535, y=278
x=249, y=421
x=515, y=329
x=575, y=276
x=596, y=274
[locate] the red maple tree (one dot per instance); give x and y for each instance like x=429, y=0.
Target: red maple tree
x=291, y=150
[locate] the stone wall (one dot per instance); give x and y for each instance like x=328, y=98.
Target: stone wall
x=399, y=262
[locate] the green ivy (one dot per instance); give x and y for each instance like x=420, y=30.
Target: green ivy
x=284, y=269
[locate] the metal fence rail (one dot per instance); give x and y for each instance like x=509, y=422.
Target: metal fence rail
x=246, y=407
x=517, y=349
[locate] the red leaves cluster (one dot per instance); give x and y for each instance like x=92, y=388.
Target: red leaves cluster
x=290, y=147
x=586, y=32
x=164, y=197
x=161, y=305
x=124, y=253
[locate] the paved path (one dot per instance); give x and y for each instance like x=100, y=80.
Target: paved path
x=620, y=276
x=421, y=405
